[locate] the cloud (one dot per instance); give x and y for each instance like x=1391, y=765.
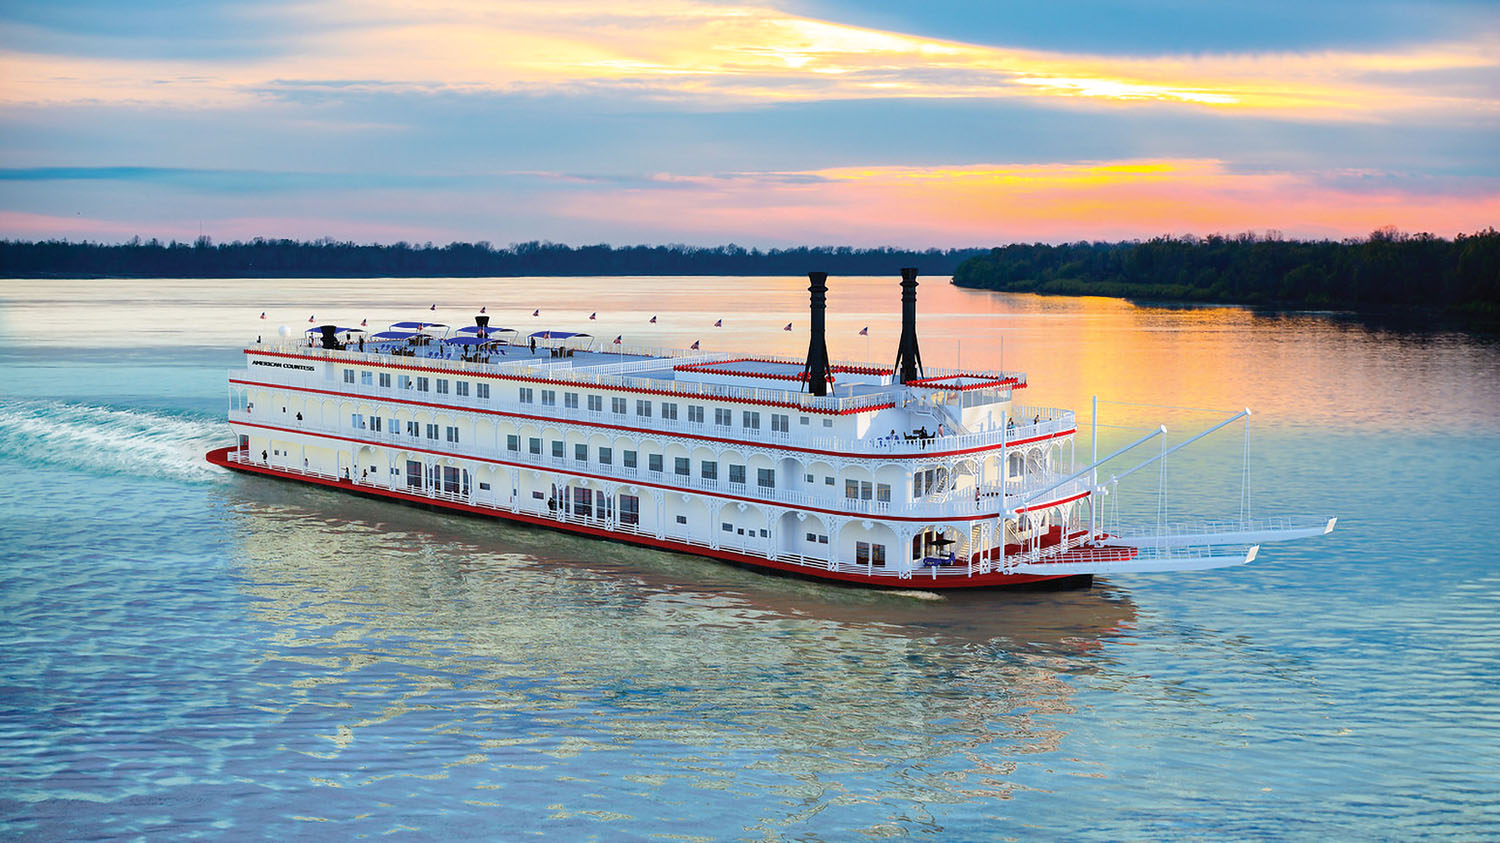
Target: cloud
x=699, y=52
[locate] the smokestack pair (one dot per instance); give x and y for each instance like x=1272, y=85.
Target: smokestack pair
x=908, y=356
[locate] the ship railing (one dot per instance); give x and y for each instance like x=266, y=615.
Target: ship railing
x=1052, y=422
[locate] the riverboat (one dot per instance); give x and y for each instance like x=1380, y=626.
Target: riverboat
x=899, y=476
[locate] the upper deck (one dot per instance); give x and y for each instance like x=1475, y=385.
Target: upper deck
x=866, y=411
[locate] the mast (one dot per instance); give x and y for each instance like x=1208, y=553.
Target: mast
x=908, y=356
x=815, y=372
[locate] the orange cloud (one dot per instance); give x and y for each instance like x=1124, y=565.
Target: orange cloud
x=993, y=204
x=698, y=49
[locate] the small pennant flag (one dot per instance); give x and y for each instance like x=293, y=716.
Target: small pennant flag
x=593, y=316
x=262, y=314
x=310, y=319
x=617, y=340
x=481, y=309
x=788, y=327
x=694, y=346
x=536, y=313
x=653, y=320
x=718, y=323
x=865, y=331
x=434, y=307
x=364, y=323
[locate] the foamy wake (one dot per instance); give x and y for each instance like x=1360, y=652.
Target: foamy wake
x=103, y=440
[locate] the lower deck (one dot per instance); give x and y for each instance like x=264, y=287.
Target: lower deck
x=928, y=566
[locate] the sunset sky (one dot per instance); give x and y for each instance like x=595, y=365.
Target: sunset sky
x=771, y=123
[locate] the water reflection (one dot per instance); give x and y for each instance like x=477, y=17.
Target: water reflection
x=526, y=651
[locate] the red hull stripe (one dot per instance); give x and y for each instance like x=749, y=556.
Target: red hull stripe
x=220, y=457
x=924, y=455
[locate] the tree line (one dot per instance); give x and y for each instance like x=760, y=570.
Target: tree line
x=326, y=258
x=1388, y=270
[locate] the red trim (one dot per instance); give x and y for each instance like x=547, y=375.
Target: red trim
x=715, y=368
x=554, y=382
x=920, y=455
x=220, y=457
x=978, y=516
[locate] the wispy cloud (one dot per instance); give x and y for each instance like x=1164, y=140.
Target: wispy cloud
x=712, y=53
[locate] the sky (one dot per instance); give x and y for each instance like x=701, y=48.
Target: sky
x=763, y=122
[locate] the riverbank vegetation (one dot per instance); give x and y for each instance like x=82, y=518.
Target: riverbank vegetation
x=1388, y=270
x=260, y=258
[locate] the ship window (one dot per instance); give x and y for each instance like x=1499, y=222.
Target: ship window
x=710, y=470
x=695, y=413
x=570, y=400
x=403, y=381
x=617, y=405
x=581, y=453
x=805, y=420
x=534, y=445
x=812, y=538
x=781, y=423
x=375, y=423
x=669, y=411
x=828, y=422
x=482, y=390
x=822, y=538
x=413, y=429
x=596, y=403
x=526, y=395
x=385, y=379
x=723, y=417
x=727, y=527
x=357, y=421
x=549, y=398
x=537, y=496
x=432, y=431
x=583, y=502
x=643, y=409
x=682, y=519
x=512, y=442
x=751, y=420
x=653, y=462
x=348, y=376
x=452, y=433
x=366, y=378
x=765, y=533
x=442, y=386
x=557, y=448
x=680, y=466
x=630, y=509
x=606, y=456
x=484, y=487
x=393, y=425
x=740, y=531
x=737, y=474
x=413, y=474
x=461, y=388
x=627, y=459
x=422, y=384
x=862, y=553
x=883, y=492
x=765, y=478
x=807, y=478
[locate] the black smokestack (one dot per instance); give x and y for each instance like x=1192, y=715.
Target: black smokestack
x=330, y=336
x=816, y=370
x=483, y=323
x=908, y=356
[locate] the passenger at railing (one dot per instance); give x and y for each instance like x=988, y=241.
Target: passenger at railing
x=1011, y=425
x=1036, y=419
x=299, y=417
x=263, y=457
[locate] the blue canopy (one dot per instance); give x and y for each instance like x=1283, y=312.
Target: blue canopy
x=474, y=329
x=336, y=330
x=467, y=341
x=558, y=335
x=394, y=335
x=418, y=325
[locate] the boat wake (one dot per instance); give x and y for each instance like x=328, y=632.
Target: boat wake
x=108, y=441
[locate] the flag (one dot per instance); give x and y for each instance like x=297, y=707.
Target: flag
x=310, y=319
x=694, y=346
x=865, y=331
x=262, y=314
x=536, y=313
x=653, y=320
x=434, y=307
x=719, y=323
x=617, y=340
x=788, y=327
x=594, y=315
x=481, y=310
x=364, y=323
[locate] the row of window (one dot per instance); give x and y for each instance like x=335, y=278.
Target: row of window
x=765, y=478
x=723, y=417
x=413, y=429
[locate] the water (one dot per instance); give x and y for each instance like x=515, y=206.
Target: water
x=187, y=652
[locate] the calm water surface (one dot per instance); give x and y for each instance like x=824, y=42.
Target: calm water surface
x=189, y=653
